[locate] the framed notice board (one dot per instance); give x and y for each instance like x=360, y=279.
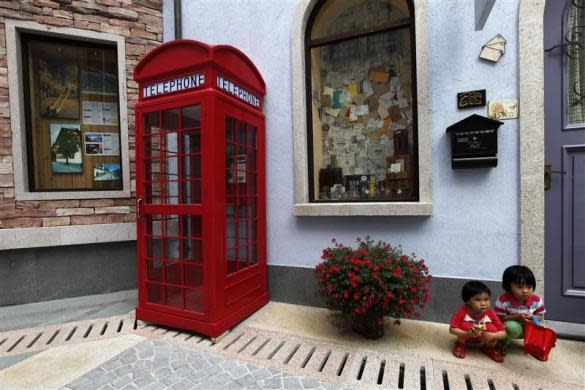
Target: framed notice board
x=72, y=115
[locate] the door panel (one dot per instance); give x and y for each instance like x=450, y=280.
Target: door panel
x=171, y=225
x=241, y=145
x=241, y=194
x=564, y=67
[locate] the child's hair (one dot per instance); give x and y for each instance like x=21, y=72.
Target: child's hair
x=473, y=288
x=518, y=274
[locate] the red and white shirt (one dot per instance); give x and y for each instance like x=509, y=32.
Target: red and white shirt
x=506, y=305
x=464, y=320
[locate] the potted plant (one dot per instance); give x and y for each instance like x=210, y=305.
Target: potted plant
x=372, y=281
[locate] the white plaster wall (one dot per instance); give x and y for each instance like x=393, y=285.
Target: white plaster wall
x=474, y=229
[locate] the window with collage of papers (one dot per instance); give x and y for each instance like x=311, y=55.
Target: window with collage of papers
x=362, y=120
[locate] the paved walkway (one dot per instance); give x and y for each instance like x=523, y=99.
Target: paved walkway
x=154, y=365
x=153, y=358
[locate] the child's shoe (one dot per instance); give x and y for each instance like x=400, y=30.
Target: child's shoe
x=502, y=347
x=493, y=354
x=459, y=350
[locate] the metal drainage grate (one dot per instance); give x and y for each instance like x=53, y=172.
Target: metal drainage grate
x=40, y=338
x=355, y=368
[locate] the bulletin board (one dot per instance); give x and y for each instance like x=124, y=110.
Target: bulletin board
x=72, y=115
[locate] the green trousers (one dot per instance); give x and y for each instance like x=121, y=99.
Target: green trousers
x=514, y=330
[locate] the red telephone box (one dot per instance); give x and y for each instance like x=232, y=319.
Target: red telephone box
x=201, y=199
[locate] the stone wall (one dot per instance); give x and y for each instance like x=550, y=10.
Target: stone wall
x=140, y=23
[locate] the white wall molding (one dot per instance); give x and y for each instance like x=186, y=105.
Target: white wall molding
x=66, y=235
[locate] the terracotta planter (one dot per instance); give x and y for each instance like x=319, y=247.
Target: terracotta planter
x=369, y=325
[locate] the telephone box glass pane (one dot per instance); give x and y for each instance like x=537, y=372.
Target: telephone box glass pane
x=154, y=293
x=172, y=272
x=253, y=254
x=152, y=122
x=154, y=270
x=193, y=275
x=174, y=297
x=191, y=192
x=241, y=194
x=173, y=156
x=191, y=118
x=194, y=300
x=174, y=261
x=171, y=119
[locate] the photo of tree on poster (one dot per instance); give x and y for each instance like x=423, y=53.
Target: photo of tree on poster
x=66, y=148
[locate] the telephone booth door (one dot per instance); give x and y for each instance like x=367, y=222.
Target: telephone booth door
x=242, y=270
x=171, y=217
x=201, y=241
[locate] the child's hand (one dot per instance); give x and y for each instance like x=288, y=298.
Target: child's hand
x=478, y=330
x=488, y=337
x=525, y=318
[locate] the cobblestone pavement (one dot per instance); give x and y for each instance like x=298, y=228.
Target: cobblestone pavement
x=161, y=365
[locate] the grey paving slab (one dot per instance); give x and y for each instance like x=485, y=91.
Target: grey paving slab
x=8, y=361
x=66, y=310
x=162, y=365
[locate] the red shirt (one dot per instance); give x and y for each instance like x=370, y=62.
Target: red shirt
x=464, y=321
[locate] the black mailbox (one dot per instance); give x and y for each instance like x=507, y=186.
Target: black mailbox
x=474, y=142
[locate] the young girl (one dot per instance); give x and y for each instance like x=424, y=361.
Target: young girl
x=476, y=323
x=517, y=306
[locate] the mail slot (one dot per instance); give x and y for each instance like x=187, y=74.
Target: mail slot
x=474, y=142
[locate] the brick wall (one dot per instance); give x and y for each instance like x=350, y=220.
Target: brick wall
x=140, y=23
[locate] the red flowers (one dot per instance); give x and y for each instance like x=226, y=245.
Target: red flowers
x=373, y=276
x=398, y=271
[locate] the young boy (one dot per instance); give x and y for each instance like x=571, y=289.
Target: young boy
x=517, y=306
x=476, y=323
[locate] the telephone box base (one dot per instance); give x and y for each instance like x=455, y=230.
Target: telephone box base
x=210, y=329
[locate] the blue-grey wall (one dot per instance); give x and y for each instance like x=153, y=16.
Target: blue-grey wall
x=474, y=229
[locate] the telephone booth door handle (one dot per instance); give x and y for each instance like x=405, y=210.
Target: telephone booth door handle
x=139, y=208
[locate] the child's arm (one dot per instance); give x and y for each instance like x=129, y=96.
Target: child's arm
x=460, y=332
x=493, y=336
x=516, y=317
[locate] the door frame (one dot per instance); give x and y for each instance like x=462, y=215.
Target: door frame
x=531, y=99
x=532, y=146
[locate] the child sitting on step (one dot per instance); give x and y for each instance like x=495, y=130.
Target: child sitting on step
x=476, y=323
x=519, y=304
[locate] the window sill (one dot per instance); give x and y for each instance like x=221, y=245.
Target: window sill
x=60, y=195
x=363, y=209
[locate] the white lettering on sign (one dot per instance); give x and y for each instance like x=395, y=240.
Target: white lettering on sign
x=178, y=84
x=238, y=92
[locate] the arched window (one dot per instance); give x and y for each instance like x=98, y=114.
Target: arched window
x=362, y=137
